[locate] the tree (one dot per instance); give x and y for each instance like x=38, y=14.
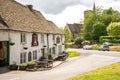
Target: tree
x=91, y=17
x=96, y=22
x=78, y=41
x=67, y=35
x=99, y=29
x=114, y=29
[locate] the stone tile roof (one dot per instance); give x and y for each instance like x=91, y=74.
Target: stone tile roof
x=23, y=18
x=1, y=26
x=75, y=28
x=54, y=29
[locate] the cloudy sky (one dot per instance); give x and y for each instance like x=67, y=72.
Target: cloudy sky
x=68, y=11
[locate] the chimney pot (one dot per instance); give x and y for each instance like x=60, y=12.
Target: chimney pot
x=30, y=7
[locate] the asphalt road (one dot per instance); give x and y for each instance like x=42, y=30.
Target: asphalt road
x=89, y=60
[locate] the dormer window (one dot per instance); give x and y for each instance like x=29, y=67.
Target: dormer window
x=34, y=39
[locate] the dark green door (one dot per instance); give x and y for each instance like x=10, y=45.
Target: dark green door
x=4, y=53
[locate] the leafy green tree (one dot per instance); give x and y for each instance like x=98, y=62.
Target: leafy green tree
x=99, y=29
x=96, y=22
x=78, y=41
x=68, y=37
x=114, y=29
x=90, y=18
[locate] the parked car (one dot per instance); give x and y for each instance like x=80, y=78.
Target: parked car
x=87, y=47
x=105, y=46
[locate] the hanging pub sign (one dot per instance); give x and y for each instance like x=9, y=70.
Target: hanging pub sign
x=34, y=39
x=58, y=39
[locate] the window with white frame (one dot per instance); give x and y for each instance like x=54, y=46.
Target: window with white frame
x=42, y=38
x=53, y=38
x=23, y=38
x=23, y=57
x=34, y=54
x=29, y=56
x=53, y=50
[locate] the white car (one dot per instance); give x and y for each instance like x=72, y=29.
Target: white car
x=87, y=47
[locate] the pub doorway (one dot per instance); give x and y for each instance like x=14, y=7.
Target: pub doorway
x=4, y=53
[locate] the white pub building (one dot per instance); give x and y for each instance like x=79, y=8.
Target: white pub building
x=25, y=35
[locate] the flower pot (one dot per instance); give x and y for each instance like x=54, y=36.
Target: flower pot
x=13, y=67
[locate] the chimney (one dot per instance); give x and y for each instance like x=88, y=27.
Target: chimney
x=30, y=7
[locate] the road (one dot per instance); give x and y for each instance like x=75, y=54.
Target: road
x=89, y=60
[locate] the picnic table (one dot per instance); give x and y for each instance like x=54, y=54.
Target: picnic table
x=45, y=64
x=63, y=56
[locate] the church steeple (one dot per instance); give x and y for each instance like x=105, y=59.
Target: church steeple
x=94, y=7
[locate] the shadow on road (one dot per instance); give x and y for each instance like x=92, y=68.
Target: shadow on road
x=4, y=70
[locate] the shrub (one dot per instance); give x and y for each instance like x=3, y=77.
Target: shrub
x=112, y=39
x=114, y=29
x=24, y=64
x=31, y=63
x=95, y=47
x=78, y=41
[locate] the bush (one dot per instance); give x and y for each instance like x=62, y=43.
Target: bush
x=73, y=53
x=95, y=47
x=114, y=29
x=31, y=63
x=24, y=64
x=78, y=41
x=111, y=39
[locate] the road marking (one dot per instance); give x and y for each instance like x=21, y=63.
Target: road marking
x=17, y=78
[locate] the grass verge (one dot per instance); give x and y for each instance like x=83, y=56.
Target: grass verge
x=114, y=48
x=111, y=72
x=73, y=53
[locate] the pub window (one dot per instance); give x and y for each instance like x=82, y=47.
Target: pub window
x=53, y=50
x=23, y=38
x=34, y=39
x=35, y=55
x=43, y=52
x=29, y=56
x=42, y=38
x=23, y=57
x=53, y=37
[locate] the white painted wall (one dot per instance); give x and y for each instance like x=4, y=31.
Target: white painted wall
x=4, y=35
x=18, y=48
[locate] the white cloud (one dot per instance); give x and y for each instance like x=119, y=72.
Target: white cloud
x=71, y=14
x=55, y=6
x=68, y=11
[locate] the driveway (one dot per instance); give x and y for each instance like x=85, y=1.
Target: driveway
x=89, y=60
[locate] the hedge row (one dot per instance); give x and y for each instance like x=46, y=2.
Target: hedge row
x=111, y=39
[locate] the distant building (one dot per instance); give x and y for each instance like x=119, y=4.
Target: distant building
x=25, y=35
x=74, y=30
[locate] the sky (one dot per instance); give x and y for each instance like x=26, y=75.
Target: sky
x=62, y=12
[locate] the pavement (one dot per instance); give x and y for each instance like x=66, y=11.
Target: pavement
x=89, y=60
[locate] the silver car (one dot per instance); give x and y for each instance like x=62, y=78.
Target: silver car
x=87, y=47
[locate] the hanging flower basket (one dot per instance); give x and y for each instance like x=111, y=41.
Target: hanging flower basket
x=11, y=43
x=25, y=48
x=55, y=44
x=44, y=46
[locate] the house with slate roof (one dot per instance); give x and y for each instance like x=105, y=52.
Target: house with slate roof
x=25, y=34
x=74, y=30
